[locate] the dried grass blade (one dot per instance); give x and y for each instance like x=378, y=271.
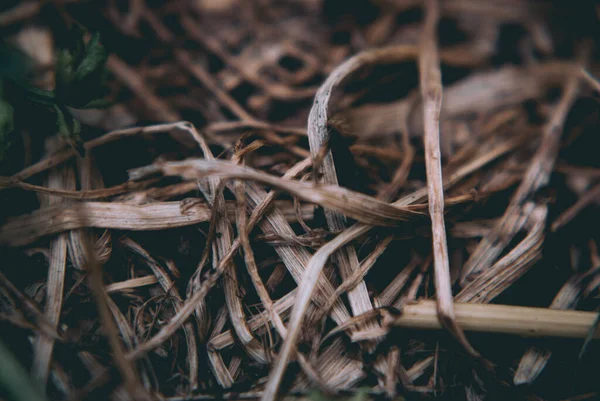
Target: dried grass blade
x=224, y=376
x=392, y=290
x=130, y=284
x=431, y=92
x=479, y=93
x=338, y=373
x=223, y=245
x=492, y=282
x=26, y=229
x=130, y=340
x=63, y=154
x=296, y=259
x=43, y=347
x=357, y=276
x=257, y=322
x=260, y=287
x=89, y=179
x=356, y=205
x=58, y=218
x=536, y=176
x=6, y=182
x=318, y=137
x=535, y=359
x=305, y=290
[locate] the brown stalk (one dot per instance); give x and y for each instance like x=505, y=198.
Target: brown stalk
x=536, y=176
x=43, y=347
x=497, y=278
x=24, y=230
x=357, y=276
x=230, y=281
x=85, y=194
x=354, y=204
x=259, y=286
x=507, y=319
x=224, y=376
x=130, y=284
x=325, y=170
x=480, y=93
x=245, y=124
x=431, y=92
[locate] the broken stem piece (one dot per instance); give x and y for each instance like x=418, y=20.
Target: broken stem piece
x=507, y=319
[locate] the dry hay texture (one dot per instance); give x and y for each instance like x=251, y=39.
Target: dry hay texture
x=277, y=188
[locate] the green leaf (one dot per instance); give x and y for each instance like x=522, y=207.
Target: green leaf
x=64, y=72
x=94, y=58
x=37, y=95
x=62, y=125
x=14, y=380
x=76, y=131
x=68, y=126
x=6, y=126
x=77, y=33
x=86, y=84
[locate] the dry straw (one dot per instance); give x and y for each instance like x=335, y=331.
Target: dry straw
x=324, y=198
